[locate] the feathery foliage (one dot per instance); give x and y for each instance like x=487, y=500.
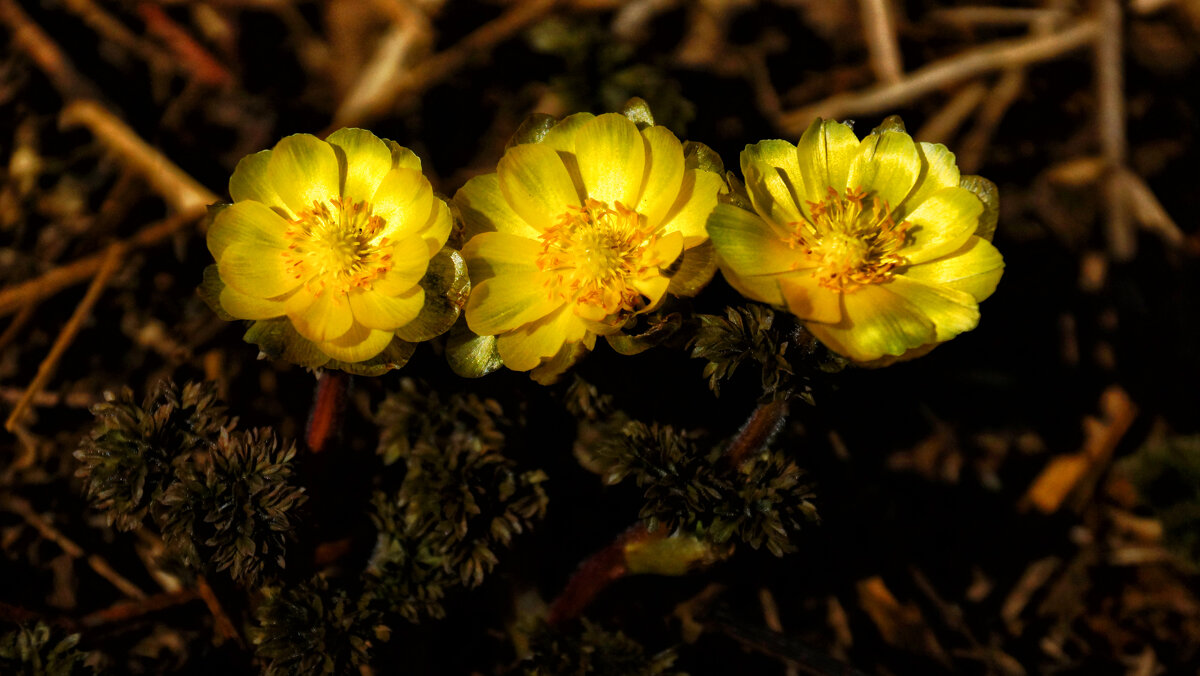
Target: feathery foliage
x=460, y=501
x=40, y=651
x=763, y=502
x=1167, y=476
x=588, y=649
x=236, y=510
x=312, y=630
x=129, y=459
x=786, y=353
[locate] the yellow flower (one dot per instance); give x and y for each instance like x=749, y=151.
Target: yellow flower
x=578, y=232
x=875, y=244
x=334, y=236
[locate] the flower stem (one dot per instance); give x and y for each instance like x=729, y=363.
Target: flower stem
x=595, y=573
x=329, y=404
x=760, y=428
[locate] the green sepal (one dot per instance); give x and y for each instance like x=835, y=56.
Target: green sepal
x=532, y=130
x=736, y=194
x=890, y=123
x=694, y=271
x=549, y=371
x=400, y=154
x=210, y=290
x=659, y=330
x=638, y=112
x=696, y=155
x=446, y=289
x=987, y=193
x=278, y=339
x=395, y=355
x=471, y=355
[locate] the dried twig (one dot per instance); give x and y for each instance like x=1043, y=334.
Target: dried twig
x=880, y=27
x=1110, y=96
x=23, y=509
x=176, y=187
x=964, y=66
x=996, y=16
x=444, y=64
x=18, y=296
x=108, y=267
x=34, y=42
x=941, y=126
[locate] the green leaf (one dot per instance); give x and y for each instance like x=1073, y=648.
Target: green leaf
x=471, y=355
x=532, y=130
x=987, y=193
x=210, y=292
x=446, y=289
x=638, y=112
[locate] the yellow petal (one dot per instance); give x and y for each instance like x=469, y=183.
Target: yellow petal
x=975, y=269
x=536, y=184
x=364, y=160
x=808, y=300
x=824, y=155
x=404, y=200
x=562, y=135
x=952, y=312
x=403, y=158
x=377, y=311
x=887, y=166
x=941, y=224
x=665, y=251
x=526, y=347
x=249, y=181
x=326, y=319
x=410, y=260
x=256, y=270
x=697, y=197
x=304, y=169
x=248, y=223
x=438, y=229
x=749, y=246
x=774, y=181
x=612, y=159
x=664, y=155
x=938, y=171
x=484, y=209
x=499, y=253
x=358, y=344
x=654, y=288
x=506, y=302
x=242, y=306
x=875, y=322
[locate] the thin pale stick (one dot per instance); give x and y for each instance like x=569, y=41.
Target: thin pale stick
x=23, y=509
x=51, y=282
x=1110, y=118
x=963, y=66
x=108, y=267
x=882, y=43
x=176, y=187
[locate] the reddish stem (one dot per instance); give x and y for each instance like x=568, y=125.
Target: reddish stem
x=325, y=419
x=594, y=574
x=766, y=420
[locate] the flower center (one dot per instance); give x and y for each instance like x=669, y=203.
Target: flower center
x=337, y=246
x=853, y=237
x=594, y=254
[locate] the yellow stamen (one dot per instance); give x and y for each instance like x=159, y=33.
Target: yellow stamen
x=337, y=247
x=854, y=238
x=594, y=254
